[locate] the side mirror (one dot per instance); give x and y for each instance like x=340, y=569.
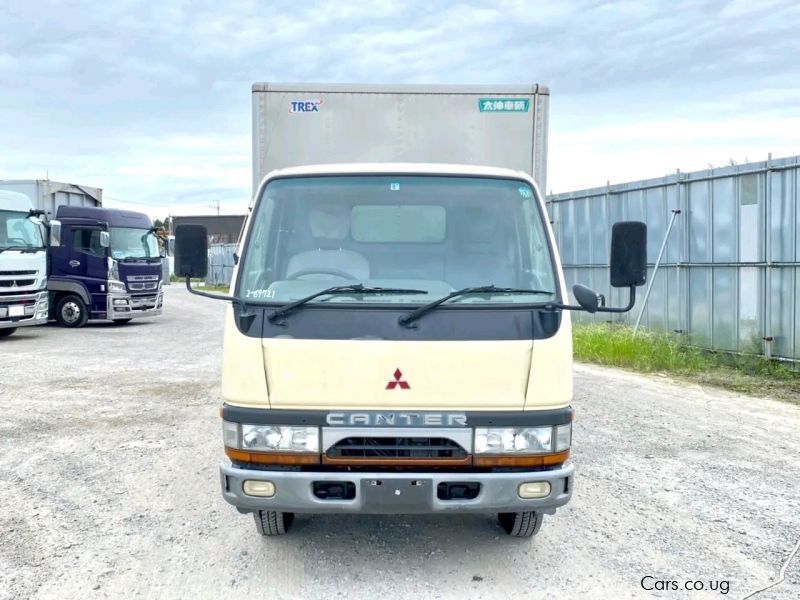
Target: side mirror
x=191, y=251
x=105, y=239
x=55, y=233
x=628, y=254
x=587, y=298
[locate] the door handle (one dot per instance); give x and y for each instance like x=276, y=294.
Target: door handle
x=74, y=263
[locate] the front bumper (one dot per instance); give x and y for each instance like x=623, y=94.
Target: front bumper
x=398, y=492
x=35, y=310
x=127, y=306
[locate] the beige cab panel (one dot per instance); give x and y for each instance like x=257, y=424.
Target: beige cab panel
x=244, y=382
x=550, y=384
x=438, y=375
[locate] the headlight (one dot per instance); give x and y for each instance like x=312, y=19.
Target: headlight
x=116, y=286
x=513, y=440
x=271, y=438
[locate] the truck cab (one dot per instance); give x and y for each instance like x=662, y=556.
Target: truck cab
x=104, y=264
x=399, y=341
x=23, y=273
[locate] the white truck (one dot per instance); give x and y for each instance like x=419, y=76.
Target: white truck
x=399, y=338
x=23, y=264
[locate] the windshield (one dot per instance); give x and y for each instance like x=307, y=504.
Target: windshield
x=130, y=243
x=18, y=231
x=429, y=233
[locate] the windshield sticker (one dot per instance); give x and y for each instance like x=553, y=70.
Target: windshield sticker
x=525, y=192
x=394, y=187
x=260, y=294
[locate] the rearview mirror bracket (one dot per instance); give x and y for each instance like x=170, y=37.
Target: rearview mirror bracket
x=245, y=316
x=601, y=307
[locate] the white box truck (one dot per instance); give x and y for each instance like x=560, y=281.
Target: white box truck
x=23, y=264
x=398, y=339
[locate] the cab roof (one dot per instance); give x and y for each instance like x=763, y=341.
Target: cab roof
x=14, y=201
x=399, y=169
x=114, y=217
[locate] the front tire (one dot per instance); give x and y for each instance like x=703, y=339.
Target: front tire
x=521, y=524
x=71, y=311
x=7, y=332
x=270, y=522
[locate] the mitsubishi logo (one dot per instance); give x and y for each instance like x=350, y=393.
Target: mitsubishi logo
x=398, y=381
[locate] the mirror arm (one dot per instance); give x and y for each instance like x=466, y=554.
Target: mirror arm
x=557, y=306
x=245, y=316
x=601, y=308
x=631, y=302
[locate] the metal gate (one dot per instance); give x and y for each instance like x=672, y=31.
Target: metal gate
x=730, y=273
x=220, y=264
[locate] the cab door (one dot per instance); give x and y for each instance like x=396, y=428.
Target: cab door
x=86, y=262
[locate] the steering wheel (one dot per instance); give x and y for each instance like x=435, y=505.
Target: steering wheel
x=322, y=271
x=20, y=240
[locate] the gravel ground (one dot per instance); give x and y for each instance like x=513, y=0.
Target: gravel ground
x=110, y=440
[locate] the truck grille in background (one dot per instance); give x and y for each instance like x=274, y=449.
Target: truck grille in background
x=7, y=283
x=137, y=287
x=397, y=447
x=13, y=273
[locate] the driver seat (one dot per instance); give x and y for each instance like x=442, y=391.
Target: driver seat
x=329, y=225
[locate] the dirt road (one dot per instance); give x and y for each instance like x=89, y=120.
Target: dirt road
x=110, y=440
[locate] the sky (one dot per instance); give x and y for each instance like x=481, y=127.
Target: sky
x=151, y=100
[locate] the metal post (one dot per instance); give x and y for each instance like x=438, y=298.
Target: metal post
x=675, y=213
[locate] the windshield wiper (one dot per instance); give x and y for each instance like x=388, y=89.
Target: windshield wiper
x=406, y=320
x=22, y=249
x=357, y=288
x=135, y=259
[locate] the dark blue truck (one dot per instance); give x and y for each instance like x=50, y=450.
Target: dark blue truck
x=103, y=264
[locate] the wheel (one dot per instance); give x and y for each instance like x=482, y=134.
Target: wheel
x=270, y=522
x=71, y=312
x=521, y=524
x=121, y=321
x=7, y=332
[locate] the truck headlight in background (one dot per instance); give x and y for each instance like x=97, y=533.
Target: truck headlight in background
x=116, y=286
x=522, y=440
x=270, y=438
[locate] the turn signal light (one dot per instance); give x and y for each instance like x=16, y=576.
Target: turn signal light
x=540, y=460
x=272, y=458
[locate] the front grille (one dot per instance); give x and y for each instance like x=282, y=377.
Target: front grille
x=397, y=447
x=138, y=287
x=8, y=283
x=13, y=273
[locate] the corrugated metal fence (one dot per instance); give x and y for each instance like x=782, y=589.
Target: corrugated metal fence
x=730, y=275
x=220, y=264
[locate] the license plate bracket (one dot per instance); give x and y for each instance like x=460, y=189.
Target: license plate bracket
x=397, y=493
x=17, y=310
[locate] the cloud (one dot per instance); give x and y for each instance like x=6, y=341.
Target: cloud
x=151, y=101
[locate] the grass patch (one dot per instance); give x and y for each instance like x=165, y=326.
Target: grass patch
x=660, y=352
